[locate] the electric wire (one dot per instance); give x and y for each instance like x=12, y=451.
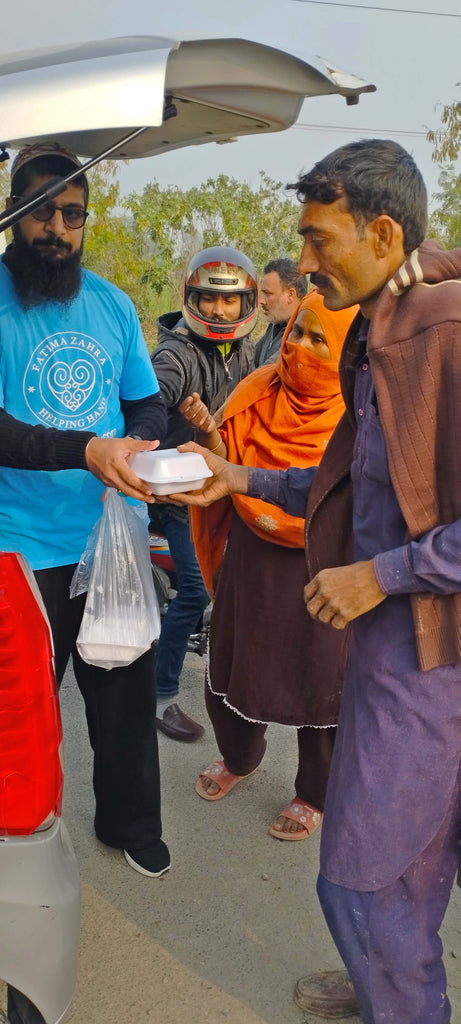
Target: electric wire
x=369, y=7
x=375, y=132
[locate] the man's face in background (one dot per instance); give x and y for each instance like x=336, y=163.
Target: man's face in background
x=277, y=301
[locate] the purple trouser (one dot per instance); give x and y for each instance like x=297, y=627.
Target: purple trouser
x=389, y=939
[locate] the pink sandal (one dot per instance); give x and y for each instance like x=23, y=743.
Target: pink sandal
x=218, y=773
x=309, y=817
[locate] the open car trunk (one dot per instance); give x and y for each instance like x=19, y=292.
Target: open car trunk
x=89, y=96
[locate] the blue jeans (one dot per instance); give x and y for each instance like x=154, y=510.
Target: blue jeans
x=185, y=610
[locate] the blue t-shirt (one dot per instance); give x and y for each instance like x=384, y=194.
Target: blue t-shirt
x=65, y=366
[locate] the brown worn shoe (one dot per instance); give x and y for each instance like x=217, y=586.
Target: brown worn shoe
x=179, y=726
x=327, y=993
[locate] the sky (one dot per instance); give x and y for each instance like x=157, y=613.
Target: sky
x=413, y=59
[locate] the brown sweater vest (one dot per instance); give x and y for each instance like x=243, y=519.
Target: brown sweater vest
x=414, y=346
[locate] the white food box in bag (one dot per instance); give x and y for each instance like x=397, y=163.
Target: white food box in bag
x=169, y=471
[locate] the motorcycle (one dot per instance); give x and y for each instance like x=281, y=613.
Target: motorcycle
x=164, y=575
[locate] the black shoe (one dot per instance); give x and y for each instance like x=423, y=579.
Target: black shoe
x=327, y=994
x=152, y=861
x=179, y=726
x=198, y=643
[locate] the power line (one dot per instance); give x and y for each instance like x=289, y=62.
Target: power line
x=367, y=7
x=375, y=132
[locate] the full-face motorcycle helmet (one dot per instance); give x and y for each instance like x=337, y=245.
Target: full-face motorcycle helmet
x=226, y=271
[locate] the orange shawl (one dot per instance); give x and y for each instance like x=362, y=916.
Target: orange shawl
x=281, y=415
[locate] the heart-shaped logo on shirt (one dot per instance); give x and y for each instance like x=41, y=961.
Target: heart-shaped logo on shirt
x=71, y=385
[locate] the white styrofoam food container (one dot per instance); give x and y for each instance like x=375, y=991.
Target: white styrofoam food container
x=170, y=471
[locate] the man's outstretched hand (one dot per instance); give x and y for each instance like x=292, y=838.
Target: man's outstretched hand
x=196, y=413
x=226, y=479
x=339, y=595
x=108, y=458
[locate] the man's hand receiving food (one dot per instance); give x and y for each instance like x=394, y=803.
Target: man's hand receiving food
x=204, y=424
x=226, y=479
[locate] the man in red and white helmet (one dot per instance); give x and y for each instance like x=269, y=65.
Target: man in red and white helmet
x=220, y=294
x=205, y=348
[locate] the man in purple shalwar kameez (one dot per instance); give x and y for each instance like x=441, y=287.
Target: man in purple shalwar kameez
x=383, y=545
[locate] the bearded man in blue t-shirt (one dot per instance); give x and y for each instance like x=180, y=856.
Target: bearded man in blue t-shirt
x=73, y=358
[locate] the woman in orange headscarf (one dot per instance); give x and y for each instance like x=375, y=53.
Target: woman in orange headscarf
x=270, y=662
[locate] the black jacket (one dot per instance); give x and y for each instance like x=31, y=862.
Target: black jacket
x=184, y=362
x=268, y=347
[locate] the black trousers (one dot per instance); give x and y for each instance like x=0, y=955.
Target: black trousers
x=120, y=711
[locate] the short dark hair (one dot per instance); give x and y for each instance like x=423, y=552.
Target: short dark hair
x=289, y=275
x=374, y=176
x=43, y=167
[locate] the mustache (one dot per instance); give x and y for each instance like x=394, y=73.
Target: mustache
x=319, y=281
x=52, y=241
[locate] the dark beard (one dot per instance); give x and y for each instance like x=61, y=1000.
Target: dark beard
x=38, y=277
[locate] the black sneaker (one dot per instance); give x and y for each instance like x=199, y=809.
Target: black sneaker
x=153, y=860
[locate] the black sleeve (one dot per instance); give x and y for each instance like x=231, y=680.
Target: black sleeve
x=257, y=354
x=171, y=375
x=23, y=446
x=146, y=418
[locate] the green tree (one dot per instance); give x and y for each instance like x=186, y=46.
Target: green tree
x=446, y=140
x=4, y=193
x=4, y=184
x=115, y=248
x=445, y=222
x=261, y=223
x=160, y=221
x=176, y=224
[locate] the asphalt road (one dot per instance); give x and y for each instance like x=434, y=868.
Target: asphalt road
x=222, y=938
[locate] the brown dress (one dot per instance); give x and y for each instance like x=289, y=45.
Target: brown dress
x=268, y=659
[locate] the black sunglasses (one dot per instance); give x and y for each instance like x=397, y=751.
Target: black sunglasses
x=73, y=216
